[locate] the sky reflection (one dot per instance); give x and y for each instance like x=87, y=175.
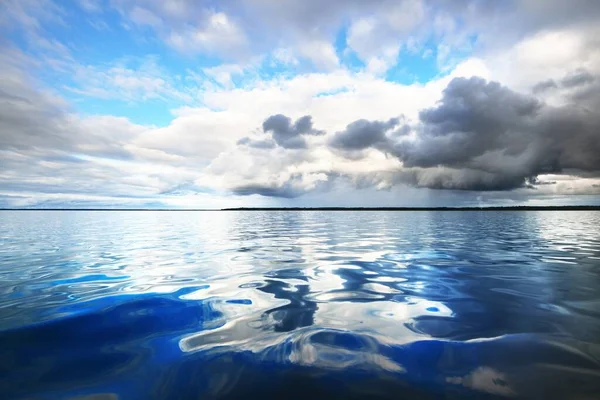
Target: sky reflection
x=439, y=299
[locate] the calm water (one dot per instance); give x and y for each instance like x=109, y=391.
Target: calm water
x=202, y=305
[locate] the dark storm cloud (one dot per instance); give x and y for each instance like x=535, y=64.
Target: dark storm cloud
x=544, y=86
x=495, y=139
x=267, y=191
x=287, y=134
x=443, y=178
x=573, y=80
x=483, y=136
x=473, y=117
x=362, y=134
x=577, y=78
x=293, y=187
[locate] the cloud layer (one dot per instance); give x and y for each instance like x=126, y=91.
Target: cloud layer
x=480, y=136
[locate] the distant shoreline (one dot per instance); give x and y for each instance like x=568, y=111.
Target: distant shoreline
x=495, y=208
x=524, y=208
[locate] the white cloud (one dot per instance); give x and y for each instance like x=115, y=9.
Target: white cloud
x=30, y=15
x=223, y=74
x=321, y=53
x=99, y=25
x=284, y=56
x=188, y=26
x=379, y=38
x=131, y=80
x=91, y=6
x=141, y=16
x=219, y=34
x=549, y=54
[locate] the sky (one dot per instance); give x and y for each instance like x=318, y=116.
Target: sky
x=299, y=103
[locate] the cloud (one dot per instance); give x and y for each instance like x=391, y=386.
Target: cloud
x=129, y=79
x=49, y=152
x=484, y=136
x=223, y=74
x=320, y=52
x=257, y=144
x=30, y=15
x=362, y=134
x=142, y=16
x=294, y=186
x=577, y=78
x=378, y=39
x=444, y=178
x=28, y=117
x=288, y=135
x=249, y=66
x=34, y=120
x=544, y=56
x=90, y=6
x=219, y=34
x=544, y=86
x=309, y=28
x=473, y=117
x=481, y=136
x=188, y=26
x=572, y=80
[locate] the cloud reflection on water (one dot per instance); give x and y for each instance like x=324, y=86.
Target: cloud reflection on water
x=431, y=302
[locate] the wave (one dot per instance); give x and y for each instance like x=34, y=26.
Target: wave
x=165, y=346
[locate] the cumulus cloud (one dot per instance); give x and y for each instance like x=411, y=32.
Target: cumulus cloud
x=543, y=86
x=287, y=134
x=480, y=136
x=188, y=26
x=362, y=134
x=484, y=136
x=573, y=80
x=377, y=29
x=295, y=185
x=577, y=78
x=473, y=117
x=257, y=144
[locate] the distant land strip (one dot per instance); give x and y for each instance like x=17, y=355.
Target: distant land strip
x=510, y=208
x=494, y=208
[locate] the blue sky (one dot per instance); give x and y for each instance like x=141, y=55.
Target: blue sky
x=101, y=39
x=405, y=103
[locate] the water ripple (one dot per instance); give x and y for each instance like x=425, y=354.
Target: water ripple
x=120, y=305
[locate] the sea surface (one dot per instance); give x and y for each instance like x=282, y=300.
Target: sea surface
x=299, y=305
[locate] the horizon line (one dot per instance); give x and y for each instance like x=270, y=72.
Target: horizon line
x=334, y=208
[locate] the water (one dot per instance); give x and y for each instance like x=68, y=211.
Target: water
x=233, y=305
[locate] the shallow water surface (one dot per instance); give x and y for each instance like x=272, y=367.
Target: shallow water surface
x=233, y=305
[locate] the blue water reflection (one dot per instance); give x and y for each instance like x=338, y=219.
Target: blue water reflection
x=402, y=305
